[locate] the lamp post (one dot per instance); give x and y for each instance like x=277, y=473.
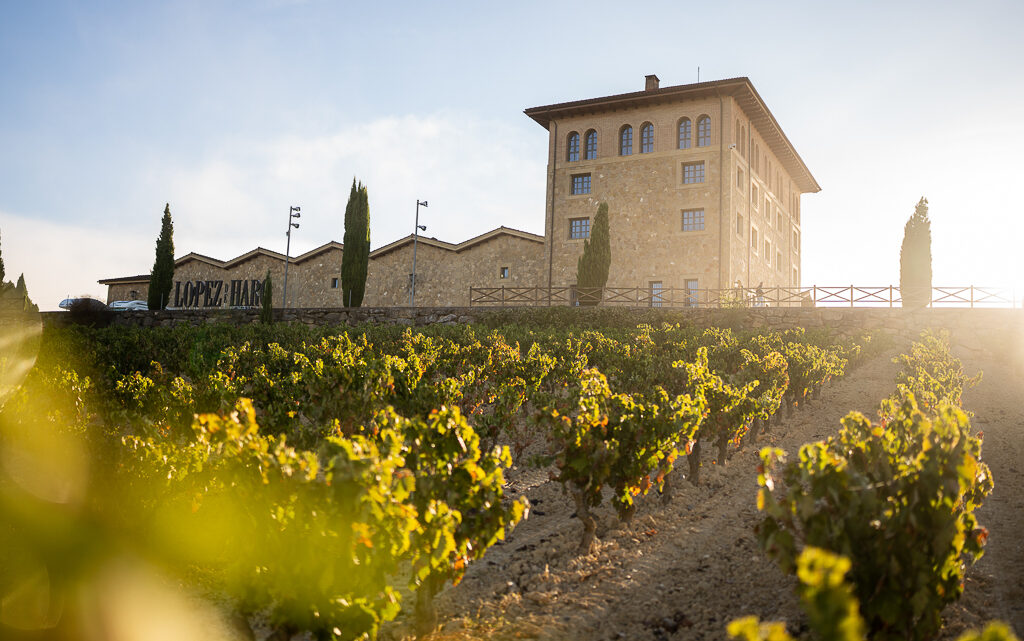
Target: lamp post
x=415, y=239
x=293, y=212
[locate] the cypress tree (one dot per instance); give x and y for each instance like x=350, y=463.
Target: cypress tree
x=916, y=258
x=592, y=268
x=355, y=257
x=21, y=293
x=267, y=301
x=161, y=279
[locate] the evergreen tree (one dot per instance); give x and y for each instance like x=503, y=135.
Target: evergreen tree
x=161, y=279
x=355, y=257
x=2, y=273
x=592, y=268
x=916, y=258
x=21, y=294
x=267, y=301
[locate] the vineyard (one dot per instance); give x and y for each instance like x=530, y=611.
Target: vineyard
x=517, y=482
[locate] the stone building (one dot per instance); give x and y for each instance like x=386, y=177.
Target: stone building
x=444, y=273
x=703, y=187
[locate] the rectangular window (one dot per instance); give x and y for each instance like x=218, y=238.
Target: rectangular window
x=739, y=225
x=778, y=218
x=796, y=242
x=778, y=261
x=768, y=210
x=796, y=278
x=693, y=172
x=692, y=292
x=693, y=220
x=504, y=272
x=739, y=178
x=579, y=228
x=753, y=195
x=768, y=251
x=656, y=289
x=580, y=184
x=753, y=238
x=334, y=283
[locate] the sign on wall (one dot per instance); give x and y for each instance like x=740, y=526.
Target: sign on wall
x=214, y=293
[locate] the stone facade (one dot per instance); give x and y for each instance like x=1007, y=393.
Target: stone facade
x=742, y=177
x=444, y=274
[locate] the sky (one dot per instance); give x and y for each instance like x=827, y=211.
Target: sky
x=232, y=112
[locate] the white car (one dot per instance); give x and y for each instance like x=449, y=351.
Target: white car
x=129, y=305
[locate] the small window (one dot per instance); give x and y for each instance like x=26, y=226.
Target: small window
x=685, y=133
x=768, y=210
x=778, y=261
x=753, y=195
x=133, y=295
x=743, y=140
x=796, y=242
x=334, y=283
x=503, y=273
x=574, y=147
x=693, y=220
x=647, y=138
x=778, y=218
x=767, y=251
x=590, y=152
x=626, y=141
x=580, y=184
x=739, y=178
x=656, y=289
x=703, y=131
x=739, y=224
x=693, y=172
x=579, y=228
x=796, y=278
x=692, y=292
x=753, y=239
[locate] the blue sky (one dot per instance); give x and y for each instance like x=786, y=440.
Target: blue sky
x=233, y=111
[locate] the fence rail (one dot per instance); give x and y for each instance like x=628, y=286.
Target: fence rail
x=813, y=296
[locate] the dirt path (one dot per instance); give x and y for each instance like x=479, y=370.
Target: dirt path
x=679, y=571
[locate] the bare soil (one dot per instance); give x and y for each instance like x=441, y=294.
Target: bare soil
x=684, y=569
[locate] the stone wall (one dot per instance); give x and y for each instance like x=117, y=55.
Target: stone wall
x=999, y=331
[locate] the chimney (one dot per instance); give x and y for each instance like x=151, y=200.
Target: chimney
x=652, y=82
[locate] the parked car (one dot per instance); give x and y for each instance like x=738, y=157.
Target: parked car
x=129, y=305
x=90, y=304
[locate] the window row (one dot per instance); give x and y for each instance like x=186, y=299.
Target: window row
x=684, y=140
x=693, y=173
x=741, y=228
x=692, y=220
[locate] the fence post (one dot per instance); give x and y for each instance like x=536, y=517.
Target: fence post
x=814, y=294
x=890, y=297
x=502, y=295
x=972, y=296
x=851, y=295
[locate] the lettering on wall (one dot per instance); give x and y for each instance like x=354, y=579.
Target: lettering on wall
x=213, y=293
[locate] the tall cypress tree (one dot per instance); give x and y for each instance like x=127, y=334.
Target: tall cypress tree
x=161, y=279
x=916, y=258
x=267, y=301
x=592, y=268
x=355, y=257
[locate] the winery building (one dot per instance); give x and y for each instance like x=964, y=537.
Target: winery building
x=703, y=189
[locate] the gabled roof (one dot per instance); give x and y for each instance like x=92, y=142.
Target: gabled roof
x=464, y=245
x=741, y=89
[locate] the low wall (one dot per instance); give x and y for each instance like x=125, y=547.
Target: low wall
x=991, y=330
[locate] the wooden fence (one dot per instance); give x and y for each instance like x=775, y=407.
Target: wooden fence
x=814, y=296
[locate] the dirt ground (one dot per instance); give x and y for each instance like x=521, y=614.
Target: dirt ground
x=685, y=569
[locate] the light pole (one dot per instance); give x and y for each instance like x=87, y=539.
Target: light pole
x=293, y=212
x=415, y=239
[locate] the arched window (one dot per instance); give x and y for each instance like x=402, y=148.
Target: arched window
x=685, y=133
x=626, y=141
x=703, y=131
x=646, y=138
x=574, y=147
x=590, y=152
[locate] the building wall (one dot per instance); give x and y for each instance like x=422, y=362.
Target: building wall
x=646, y=197
x=444, y=276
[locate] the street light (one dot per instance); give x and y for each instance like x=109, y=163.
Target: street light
x=293, y=212
x=415, y=238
